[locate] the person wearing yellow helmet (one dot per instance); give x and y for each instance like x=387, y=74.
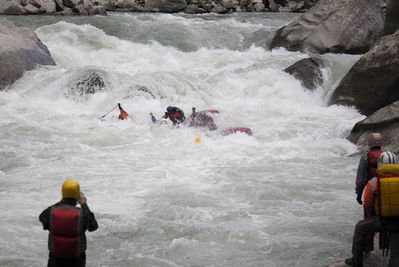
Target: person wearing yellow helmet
x=67, y=224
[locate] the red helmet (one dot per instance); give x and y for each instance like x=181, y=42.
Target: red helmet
x=375, y=139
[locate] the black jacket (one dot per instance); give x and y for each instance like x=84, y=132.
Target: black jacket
x=89, y=221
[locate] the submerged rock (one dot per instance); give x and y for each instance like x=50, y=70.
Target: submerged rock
x=373, y=81
x=89, y=82
x=20, y=50
x=308, y=71
x=337, y=26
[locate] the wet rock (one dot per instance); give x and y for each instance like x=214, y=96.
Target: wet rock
x=194, y=9
x=308, y=71
x=337, y=26
x=20, y=50
x=139, y=91
x=12, y=7
x=385, y=121
x=310, y=3
x=392, y=17
x=167, y=6
x=124, y=5
x=373, y=81
x=89, y=82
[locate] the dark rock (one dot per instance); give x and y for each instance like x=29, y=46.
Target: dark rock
x=337, y=26
x=373, y=81
x=385, y=121
x=392, y=17
x=194, y=9
x=139, y=91
x=68, y=3
x=20, y=50
x=167, y=6
x=89, y=82
x=310, y=3
x=216, y=8
x=308, y=71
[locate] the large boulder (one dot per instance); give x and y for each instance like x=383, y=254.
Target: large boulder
x=11, y=7
x=392, y=17
x=20, y=50
x=45, y=6
x=308, y=71
x=373, y=81
x=56, y=7
x=384, y=121
x=337, y=26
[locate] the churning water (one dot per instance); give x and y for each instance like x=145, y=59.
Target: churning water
x=281, y=197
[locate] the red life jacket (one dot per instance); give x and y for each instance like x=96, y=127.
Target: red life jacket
x=372, y=163
x=66, y=238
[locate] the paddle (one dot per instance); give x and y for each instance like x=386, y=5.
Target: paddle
x=107, y=113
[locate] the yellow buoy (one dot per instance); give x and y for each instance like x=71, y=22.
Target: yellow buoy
x=198, y=139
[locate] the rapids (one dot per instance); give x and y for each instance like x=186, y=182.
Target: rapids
x=282, y=197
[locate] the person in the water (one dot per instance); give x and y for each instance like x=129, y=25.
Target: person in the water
x=175, y=114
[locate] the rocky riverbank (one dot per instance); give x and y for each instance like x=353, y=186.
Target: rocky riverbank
x=93, y=7
x=372, y=84
x=20, y=50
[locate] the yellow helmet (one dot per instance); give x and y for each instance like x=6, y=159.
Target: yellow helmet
x=71, y=189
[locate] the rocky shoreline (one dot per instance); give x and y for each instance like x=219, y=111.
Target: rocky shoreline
x=372, y=84
x=93, y=7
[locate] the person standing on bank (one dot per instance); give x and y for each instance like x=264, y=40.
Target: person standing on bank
x=382, y=201
x=368, y=165
x=67, y=225
x=367, y=169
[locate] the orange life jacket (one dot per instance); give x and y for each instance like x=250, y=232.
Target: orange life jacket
x=66, y=238
x=368, y=197
x=123, y=114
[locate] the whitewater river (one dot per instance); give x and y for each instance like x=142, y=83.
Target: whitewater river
x=281, y=197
